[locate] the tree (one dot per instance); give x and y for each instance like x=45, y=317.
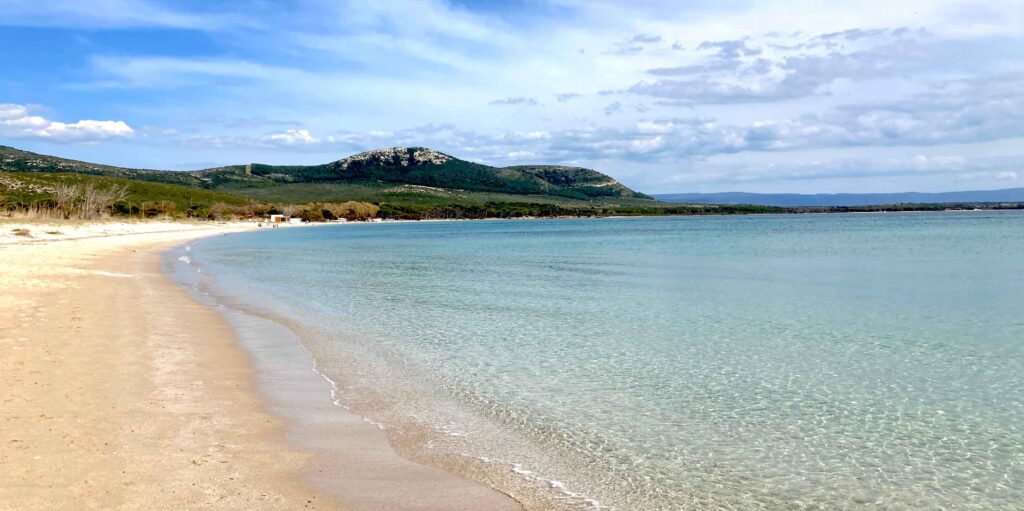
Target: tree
x=218, y=209
x=354, y=210
x=312, y=213
x=96, y=200
x=66, y=196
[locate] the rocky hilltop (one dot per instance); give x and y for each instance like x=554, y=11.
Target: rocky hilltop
x=404, y=156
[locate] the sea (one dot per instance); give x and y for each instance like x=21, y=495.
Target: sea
x=817, y=361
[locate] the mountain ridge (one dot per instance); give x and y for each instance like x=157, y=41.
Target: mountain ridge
x=392, y=165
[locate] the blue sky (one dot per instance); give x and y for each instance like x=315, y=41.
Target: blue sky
x=794, y=96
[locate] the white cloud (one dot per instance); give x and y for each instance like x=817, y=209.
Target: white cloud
x=291, y=137
x=16, y=121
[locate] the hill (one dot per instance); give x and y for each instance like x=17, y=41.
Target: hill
x=23, y=190
x=416, y=166
x=400, y=183
x=845, y=199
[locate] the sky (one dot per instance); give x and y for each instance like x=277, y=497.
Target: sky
x=665, y=96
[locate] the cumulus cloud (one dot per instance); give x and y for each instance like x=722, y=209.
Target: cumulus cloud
x=963, y=111
x=959, y=111
x=17, y=121
x=291, y=137
x=777, y=68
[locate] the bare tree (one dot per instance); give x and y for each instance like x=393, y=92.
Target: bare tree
x=289, y=210
x=96, y=200
x=66, y=197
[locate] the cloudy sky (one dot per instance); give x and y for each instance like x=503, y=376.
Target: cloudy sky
x=666, y=96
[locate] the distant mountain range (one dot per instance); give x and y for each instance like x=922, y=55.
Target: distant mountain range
x=417, y=166
x=844, y=199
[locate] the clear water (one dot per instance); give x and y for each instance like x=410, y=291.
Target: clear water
x=758, y=362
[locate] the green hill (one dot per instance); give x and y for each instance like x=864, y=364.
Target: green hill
x=416, y=166
x=399, y=182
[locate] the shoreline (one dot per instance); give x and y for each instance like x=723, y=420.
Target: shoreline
x=89, y=311
x=121, y=392
x=353, y=457
x=111, y=401
x=296, y=302
x=305, y=422
x=282, y=344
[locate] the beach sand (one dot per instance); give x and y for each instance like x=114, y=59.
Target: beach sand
x=119, y=391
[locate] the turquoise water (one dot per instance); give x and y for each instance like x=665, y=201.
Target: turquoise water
x=756, y=362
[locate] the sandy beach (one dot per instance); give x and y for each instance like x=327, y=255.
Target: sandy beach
x=119, y=391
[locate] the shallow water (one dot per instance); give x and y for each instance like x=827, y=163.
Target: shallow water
x=756, y=362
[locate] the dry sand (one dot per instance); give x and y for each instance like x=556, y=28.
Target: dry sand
x=119, y=391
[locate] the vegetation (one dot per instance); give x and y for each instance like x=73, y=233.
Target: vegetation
x=64, y=195
x=535, y=210
x=86, y=201
x=351, y=210
x=404, y=165
x=398, y=183
x=404, y=194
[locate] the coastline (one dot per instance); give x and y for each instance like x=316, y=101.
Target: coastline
x=353, y=457
x=121, y=392
x=109, y=422
x=337, y=399
x=336, y=331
